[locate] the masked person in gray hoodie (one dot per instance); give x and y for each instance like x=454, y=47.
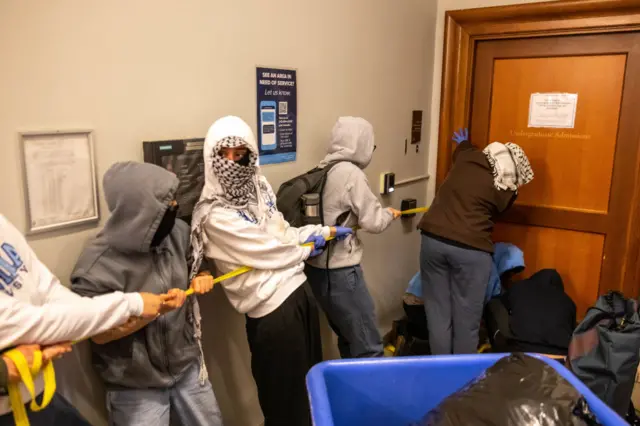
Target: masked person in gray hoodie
x=336, y=276
x=151, y=367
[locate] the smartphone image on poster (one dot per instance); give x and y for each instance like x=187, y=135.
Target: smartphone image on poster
x=268, y=125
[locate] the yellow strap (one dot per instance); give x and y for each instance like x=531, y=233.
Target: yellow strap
x=414, y=211
x=239, y=271
x=226, y=276
x=15, y=397
x=484, y=348
x=27, y=374
x=19, y=412
x=49, y=377
x=244, y=269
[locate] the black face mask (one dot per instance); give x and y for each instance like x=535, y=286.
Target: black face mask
x=244, y=161
x=166, y=225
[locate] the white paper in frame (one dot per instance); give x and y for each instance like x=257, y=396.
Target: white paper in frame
x=553, y=110
x=59, y=179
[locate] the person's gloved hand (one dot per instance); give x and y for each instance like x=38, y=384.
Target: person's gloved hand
x=340, y=232
x=461, y=135
x=318, y=245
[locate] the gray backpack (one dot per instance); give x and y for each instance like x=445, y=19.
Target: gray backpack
x=604, y=350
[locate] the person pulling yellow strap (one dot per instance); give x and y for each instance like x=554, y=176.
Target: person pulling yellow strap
x=245, y=269
x=27, y=373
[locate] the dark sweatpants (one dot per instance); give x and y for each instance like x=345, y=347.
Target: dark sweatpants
x=454, y=283
x=284, y=345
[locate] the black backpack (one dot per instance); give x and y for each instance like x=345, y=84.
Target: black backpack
x=604, y=350
x=289, y=198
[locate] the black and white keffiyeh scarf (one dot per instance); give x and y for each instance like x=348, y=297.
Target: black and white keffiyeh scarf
x=509, y=164
x=237, y=180
x=238, y=184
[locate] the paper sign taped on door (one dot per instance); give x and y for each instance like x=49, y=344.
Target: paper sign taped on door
x=553, y=110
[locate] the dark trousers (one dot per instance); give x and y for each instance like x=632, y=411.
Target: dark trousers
x=284, y=345
x=343, y=296
x=417, y=321
x=454, y=283
x=59, y=412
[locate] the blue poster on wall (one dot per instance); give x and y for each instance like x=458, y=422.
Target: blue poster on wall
x=277, y=115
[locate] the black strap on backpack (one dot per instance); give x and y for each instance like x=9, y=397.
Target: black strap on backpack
x=339, y=220
x=618, y=314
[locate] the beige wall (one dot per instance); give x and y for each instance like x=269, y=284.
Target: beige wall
x=443, y=6
x=135, y=70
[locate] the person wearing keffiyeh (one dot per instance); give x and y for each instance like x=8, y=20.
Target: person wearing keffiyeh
x=236, y=223
x=455, y=256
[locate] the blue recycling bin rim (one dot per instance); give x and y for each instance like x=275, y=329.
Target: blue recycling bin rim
x=321, y=407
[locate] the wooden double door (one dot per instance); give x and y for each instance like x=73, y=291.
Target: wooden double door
x=580, y=213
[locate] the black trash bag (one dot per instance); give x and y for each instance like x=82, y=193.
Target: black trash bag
x=632, y=417
x=517, y=390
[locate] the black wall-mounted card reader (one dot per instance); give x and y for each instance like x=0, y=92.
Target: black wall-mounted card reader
x=408, y=204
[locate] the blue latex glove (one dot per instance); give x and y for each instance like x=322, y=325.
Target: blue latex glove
x=342, y=232
x=461, y=135
x=318, y=244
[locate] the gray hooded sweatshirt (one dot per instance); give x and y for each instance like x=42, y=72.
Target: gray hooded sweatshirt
x=347, y=192
x=121, y=258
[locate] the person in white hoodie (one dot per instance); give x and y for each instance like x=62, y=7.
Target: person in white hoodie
x=336, y=276
x=236, y=223
x=35, y=308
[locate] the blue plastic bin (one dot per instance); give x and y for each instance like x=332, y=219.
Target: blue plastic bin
x=399, y=391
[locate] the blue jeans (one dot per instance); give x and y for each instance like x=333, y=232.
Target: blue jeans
x=59, y=412
x=343, y=296
x=192, y=404
x=454, y=283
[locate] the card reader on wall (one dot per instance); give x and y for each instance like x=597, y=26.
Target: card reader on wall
x=408, y=204
x=387, y=183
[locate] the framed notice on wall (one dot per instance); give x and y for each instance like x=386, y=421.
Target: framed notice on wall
x=60, y=179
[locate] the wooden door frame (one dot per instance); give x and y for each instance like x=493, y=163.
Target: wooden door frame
x=464, y=28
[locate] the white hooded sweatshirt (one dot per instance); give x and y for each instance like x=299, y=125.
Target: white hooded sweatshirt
x=347, y=192
x=36, y=308
x=255, y=235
